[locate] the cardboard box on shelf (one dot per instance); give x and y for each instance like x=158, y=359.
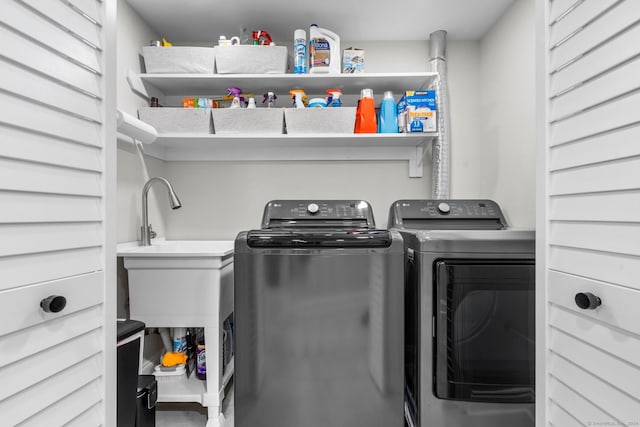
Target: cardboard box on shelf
x=417, y=111
x=352, y=60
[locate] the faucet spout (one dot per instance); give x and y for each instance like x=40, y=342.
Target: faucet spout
x=174, y=202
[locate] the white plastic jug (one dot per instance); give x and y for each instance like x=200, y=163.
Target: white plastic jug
x=324, y=51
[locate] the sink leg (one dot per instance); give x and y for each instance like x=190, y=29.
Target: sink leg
x=213, y=340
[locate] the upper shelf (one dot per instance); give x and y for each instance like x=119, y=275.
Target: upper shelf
x=349, y=84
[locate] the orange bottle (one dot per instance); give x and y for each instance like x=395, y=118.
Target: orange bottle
x=366, y=113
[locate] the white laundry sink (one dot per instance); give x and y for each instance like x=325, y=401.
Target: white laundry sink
x=184, y=283
x=178, y=248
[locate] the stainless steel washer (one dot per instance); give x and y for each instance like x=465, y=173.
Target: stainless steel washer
x=319, y=318
x=469, y=315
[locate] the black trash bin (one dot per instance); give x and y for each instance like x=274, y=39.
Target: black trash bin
x=146, y=401
x=130, y=336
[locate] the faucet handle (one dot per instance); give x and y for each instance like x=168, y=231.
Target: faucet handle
x=152, y=234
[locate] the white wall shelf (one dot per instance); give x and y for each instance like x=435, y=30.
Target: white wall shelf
x=329, y=147
x=189, y=147
x=349, y=84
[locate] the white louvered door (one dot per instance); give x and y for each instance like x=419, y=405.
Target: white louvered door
x=57, y=180
x=589, y=213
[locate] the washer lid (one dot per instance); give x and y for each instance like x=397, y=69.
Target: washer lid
x=446, y=215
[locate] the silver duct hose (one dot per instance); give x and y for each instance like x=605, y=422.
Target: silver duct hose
x=441, y=146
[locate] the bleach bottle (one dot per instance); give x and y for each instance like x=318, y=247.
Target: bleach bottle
x=324, y=51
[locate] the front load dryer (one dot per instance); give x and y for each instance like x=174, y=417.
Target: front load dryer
x=319, y=318
x=469, y=315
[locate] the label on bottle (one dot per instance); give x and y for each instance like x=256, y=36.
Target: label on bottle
x=319, y=52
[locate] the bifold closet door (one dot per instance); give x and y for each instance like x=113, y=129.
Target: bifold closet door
x=57, y=148
x=589, y=213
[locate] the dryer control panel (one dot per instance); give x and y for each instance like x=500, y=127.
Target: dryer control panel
x=318, y=213
x=447, y=215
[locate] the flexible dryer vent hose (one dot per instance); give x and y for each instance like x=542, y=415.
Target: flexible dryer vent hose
x=441, y=146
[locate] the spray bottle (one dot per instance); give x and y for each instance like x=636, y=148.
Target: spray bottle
x=324, y=51
x=262, y=38
x=235, y=91
x=251, y=103
x=333, y=98
x=270, y=99
x=298, y=96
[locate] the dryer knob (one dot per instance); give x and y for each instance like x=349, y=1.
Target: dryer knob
x=444, y=208
x=313, y=208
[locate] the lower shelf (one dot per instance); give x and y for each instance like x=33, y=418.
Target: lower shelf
x=332, y=147
x=184, y=390
x=190, y=389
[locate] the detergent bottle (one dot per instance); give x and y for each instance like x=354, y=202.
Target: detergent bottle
x=333, y=98
x=324, y=51
x=388, y=114
x=366, y=113
x=298, y=96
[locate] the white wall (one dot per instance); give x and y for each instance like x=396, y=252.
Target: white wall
x=134, y=171
x=507, y=156
x=222, y=198
x=492, y=155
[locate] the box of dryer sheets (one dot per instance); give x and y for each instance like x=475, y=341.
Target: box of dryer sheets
x=417, y=111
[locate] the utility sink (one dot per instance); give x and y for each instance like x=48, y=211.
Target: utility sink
x=185, y=283
x=178, y=248
x=179, y=283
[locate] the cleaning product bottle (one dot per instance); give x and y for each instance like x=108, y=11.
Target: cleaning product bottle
x=388, y=114
x=270, y=99
x=179, y=340
x=235, y=91
x=366, y=113
x=252, y=103
x=317, y=103
x=300, y=52
x=201, y=356
x=297, y=95
x=324, y=51
x=333, y=98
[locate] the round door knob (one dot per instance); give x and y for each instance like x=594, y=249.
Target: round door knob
x=588, y=301
x=313, y=208
x=53, y=304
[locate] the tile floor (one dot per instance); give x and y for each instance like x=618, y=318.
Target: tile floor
x=192, y=414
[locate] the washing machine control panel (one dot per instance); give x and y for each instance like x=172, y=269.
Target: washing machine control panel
x=446, y=214
x=342, y=213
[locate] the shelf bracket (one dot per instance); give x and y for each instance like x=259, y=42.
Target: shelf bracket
x=416, y=162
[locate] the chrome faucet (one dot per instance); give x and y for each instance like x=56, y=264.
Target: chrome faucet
x=174, y=202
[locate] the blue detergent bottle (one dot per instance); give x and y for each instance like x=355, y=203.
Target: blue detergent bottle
x=388, y=114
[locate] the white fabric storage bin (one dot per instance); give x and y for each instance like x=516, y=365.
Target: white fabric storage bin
x=249, y=59
x=264, y=121
x=320, y=120
x=179, y=59
x=177, y=120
